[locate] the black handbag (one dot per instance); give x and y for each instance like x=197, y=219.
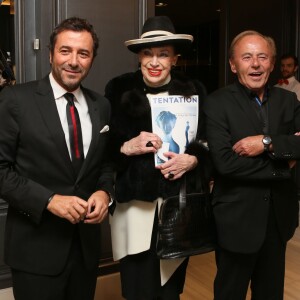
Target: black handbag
x=186, y=225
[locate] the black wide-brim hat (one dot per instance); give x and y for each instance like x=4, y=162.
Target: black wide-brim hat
x=158, y=31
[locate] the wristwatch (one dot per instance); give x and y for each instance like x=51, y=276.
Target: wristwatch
x=267, y=141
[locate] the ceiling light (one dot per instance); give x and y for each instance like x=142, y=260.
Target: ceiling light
x=161, y=4
x=4, y=2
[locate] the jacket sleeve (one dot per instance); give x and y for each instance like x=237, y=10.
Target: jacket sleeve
x=225, y=160
x=122, y=95
x=287, y=146
x=26, y=196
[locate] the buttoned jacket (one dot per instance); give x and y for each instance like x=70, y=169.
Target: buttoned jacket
x=35, y=164
x=244, y=187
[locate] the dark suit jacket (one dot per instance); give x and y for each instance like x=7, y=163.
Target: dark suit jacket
x=245, y=186
x=34, y=164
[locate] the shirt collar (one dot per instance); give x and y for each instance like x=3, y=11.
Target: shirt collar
x=59, y=91
x=291, y=79
x=252, y=95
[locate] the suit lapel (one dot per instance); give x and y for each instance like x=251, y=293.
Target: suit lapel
x=95, y=120
x=242, y=99
x=274, y=113
x=46, y=103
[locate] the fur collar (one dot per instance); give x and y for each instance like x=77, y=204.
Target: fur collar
x=134, y=101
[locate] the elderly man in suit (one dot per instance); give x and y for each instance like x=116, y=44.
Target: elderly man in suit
x=54, y=173
x=251, y=132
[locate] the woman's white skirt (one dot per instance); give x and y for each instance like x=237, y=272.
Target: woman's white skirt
x=131, y=231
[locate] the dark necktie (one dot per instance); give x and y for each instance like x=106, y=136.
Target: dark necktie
x=75, y=134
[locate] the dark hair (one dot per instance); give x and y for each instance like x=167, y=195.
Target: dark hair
x=74, y=24
x=290, y=55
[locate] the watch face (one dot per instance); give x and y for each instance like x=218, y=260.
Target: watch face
x=267, y=140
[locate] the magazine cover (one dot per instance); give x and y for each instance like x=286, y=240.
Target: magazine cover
x=175, y=121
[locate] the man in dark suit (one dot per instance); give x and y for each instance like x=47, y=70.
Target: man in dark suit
x=252, y=135
x=56, y=203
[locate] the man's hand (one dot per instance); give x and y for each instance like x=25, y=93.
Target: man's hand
x=250, y=146
x=72, y=208
x=97, y=207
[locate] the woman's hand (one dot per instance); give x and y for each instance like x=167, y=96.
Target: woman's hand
x=177, y=165
x=145, y=142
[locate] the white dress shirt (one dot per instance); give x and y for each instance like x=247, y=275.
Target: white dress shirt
x=293, y=86
x=82, y=108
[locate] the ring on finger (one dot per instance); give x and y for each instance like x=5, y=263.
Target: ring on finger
x=149, y=144
x=170, y=175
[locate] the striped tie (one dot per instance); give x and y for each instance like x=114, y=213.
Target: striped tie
x=75, y=134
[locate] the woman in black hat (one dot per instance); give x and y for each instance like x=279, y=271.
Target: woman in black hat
x=141, y=184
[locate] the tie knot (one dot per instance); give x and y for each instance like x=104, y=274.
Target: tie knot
x=70, y=98
x=283, y=81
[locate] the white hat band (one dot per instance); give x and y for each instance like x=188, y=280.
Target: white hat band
x=156, y=33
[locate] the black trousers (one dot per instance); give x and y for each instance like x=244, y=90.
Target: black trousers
x=74, y=283
x=264, y=270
